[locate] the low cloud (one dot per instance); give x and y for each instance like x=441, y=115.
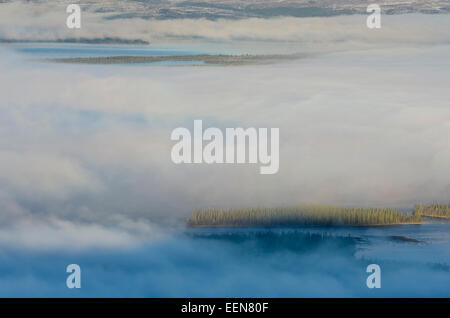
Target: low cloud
x=43, y=175
x=88, y=144
x=86, y=174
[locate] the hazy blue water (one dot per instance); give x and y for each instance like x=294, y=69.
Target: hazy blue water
x=94, y=50
x=300, y=262
x=67, y=50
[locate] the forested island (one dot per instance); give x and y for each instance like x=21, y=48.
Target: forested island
x=314, y=215
x=82, y=40
x=211, y=59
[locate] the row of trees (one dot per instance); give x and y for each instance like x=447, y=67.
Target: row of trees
x=321, y=215
x=434, y=210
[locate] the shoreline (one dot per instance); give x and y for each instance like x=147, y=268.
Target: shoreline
x=436, y=217
x=298, y=226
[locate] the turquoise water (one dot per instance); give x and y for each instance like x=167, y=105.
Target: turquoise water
x=66, y=50
x=93, y=50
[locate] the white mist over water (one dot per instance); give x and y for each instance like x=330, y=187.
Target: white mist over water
x=85, y=171
x=240, y=263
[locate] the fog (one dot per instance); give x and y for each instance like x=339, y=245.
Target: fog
x=88, y=142
x=86, y=174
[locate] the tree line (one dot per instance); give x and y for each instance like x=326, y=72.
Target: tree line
x=319, y=215
x=438, y=210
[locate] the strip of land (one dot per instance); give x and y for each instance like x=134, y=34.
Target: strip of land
x=82, y=40
x=208, y=59
x=305, y=215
